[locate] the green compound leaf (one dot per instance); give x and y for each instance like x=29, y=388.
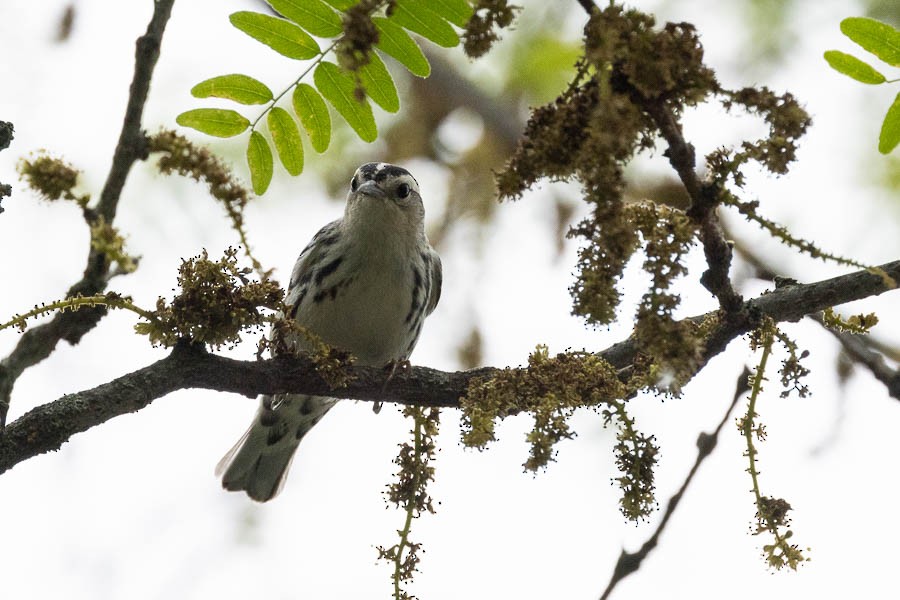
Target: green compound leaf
x=314, y=16
x=259, y=158
x=457, y=12
x=287, y=140
x=890, y=129
x=853, y=67
x=876, y=37
x=240, y=88
x=282, y=36
x=219, y=122
x=313, y=114
x=379, y=84
x=339, y=89
x=418, y=16
x=394, y=41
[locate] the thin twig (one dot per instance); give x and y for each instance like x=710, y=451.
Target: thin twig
x=704, y=202
x=865, y=350
x=629, y=562
x=860, y=350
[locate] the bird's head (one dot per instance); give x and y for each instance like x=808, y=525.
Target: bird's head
x=385, y=196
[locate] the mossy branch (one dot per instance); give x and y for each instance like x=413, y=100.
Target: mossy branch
x=48, y=426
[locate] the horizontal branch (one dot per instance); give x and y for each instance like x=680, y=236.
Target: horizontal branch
x=47, y=427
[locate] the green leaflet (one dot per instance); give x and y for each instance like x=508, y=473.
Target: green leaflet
x=394, y=41
x=287, y=140
x=339, y=89
x=281, y=36
x=457, y=12
x=379, y=84
x=418, y=16
x=240, y=88
x=219, y=122
x=342, y=5
x=259, y=158
x=853, y=67
x=313, y=114
x=890, y=128
x=876, y=37
x=314, y=16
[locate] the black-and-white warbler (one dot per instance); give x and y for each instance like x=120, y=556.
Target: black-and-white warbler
x=365, y=284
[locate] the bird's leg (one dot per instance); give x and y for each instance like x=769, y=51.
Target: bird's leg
x=392, y=368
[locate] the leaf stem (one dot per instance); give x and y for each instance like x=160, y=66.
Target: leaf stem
x=313, y=64
x=751, y=415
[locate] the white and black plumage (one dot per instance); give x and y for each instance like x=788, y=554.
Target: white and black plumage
x=365, y=284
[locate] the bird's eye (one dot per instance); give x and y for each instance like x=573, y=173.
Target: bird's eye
x=403, y=190
x=353, y=184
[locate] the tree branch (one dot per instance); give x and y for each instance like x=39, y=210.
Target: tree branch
x=860, y=351
x=40, y=341
x=704, y=202
x=863, y=349
x=6, y=136
x=47, y=427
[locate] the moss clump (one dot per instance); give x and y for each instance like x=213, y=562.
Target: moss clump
x=487, y=17
x=550, y=388
x=673, y=346
x=52, y=178
x=216, y=303
x=107, y=240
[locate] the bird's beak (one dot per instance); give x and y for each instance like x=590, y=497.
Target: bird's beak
x=371, y=188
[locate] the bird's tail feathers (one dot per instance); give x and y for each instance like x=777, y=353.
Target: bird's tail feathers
x=259, y=462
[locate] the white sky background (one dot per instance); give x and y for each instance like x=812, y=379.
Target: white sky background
x=131, y=509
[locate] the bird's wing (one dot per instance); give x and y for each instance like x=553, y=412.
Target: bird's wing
x=437, y=277
x=307, y=263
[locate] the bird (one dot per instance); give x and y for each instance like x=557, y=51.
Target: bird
x=364, y=284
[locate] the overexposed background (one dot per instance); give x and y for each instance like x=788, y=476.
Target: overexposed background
x=132, y=510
